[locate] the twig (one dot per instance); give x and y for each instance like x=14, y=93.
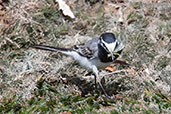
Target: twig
x=119, y=71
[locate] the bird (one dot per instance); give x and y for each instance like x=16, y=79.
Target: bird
x=95, y=54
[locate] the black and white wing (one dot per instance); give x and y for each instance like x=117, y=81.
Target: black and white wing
x=89, y=49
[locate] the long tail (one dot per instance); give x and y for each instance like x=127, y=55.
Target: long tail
x=50, y=48
x=66, y=51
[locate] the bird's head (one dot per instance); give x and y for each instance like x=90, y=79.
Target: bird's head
x=111, y=45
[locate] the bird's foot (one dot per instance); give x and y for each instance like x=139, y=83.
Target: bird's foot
x=106, y=95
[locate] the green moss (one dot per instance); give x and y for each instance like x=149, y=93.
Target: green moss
x=61, y=30
x=114, y=112
x=144, y=23
x=131, y=15
x=136, y=5
x=162, y=62
x=79, y=26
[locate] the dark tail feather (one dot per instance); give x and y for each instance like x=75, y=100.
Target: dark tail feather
x=50, y=48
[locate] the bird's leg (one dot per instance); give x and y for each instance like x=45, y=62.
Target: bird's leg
x=95, y=81
x=95, y=70
x=106, y=95
x=98, y=80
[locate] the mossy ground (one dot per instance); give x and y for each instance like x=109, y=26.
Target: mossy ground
x=34, y=81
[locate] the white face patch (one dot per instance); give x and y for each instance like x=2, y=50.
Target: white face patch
x=119, y=47
x=110, y=46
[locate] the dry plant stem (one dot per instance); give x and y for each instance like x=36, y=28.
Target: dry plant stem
x=119, y=71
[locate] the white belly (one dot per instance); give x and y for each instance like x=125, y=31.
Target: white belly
x=93, y=62
x=88, y=64
x=84, y=62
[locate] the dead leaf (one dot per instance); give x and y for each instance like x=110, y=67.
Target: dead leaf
x=141, y=69
x=110, y=68
x=65, y=9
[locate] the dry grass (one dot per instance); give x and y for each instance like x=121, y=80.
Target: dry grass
x=33, y=81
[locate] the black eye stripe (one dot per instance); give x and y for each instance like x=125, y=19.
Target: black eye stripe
x=104, y=46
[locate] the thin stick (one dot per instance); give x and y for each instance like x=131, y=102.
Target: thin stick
x=118, y=71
